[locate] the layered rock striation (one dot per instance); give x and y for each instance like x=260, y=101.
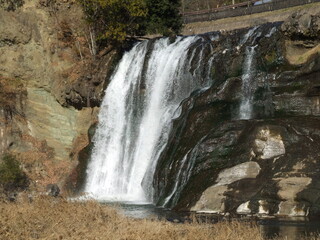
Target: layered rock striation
x=249, y=144
x=264, y=162
x=48, y=99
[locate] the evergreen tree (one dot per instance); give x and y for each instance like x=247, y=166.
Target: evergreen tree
x=163, y=16
x=114, y=20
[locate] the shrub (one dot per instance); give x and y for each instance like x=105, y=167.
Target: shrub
x=11, y=175
x=113, y=20
x=116, y=20
x=163, y=17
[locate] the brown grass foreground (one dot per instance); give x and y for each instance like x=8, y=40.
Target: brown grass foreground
x=48, y=218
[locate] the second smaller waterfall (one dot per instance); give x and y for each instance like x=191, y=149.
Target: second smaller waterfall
x=247, y=88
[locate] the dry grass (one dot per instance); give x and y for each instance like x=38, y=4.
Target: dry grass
x=48, y=218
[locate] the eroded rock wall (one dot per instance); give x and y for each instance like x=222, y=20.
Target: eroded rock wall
x=49, y=98
x=267, y=163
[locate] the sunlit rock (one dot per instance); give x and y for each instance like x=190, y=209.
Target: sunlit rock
x=269, y=145
x=238, y=172
x=289, y=188
x=244, y=208
x=213, y=198
x=263, y=209
x=291, y=208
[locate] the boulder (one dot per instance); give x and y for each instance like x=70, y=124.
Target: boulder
x=303, y=24
x=212, y=199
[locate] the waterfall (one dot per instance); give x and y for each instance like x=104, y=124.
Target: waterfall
x=249, y=70
x=187, y=163
x=183, y=176
x=140, y=103
x=247, y=84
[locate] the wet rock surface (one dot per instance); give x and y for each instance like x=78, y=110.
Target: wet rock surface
x=279, y=142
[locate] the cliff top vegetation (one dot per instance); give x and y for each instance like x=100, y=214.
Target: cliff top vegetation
x=114, y=20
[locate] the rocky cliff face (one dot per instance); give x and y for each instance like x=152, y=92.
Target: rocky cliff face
x=250, y=143
x=48, y=97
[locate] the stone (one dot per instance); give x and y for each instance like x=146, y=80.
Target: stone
x=290, y=208
x=291, y=186
x=267, y=164
x=238, y=172
x=12, y=196
x=288, y=191
x=303, y=24
x=269, y=145
x=263, y=209
x=244, y=208
x=41, y=67
x=212, y=199
x=48, y=120
x=53, y=190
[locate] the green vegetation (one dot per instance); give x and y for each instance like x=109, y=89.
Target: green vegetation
x=11, y=5
x=163, y=16
x=116, y=20
x=11, y=176
x=113, y=20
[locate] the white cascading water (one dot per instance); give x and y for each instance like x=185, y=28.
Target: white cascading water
x=249, y=70
x=245, y=111
x=140, y=102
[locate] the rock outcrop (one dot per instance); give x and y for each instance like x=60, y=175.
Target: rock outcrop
x=213, y=198
x=267, y=163
x=48, y=101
